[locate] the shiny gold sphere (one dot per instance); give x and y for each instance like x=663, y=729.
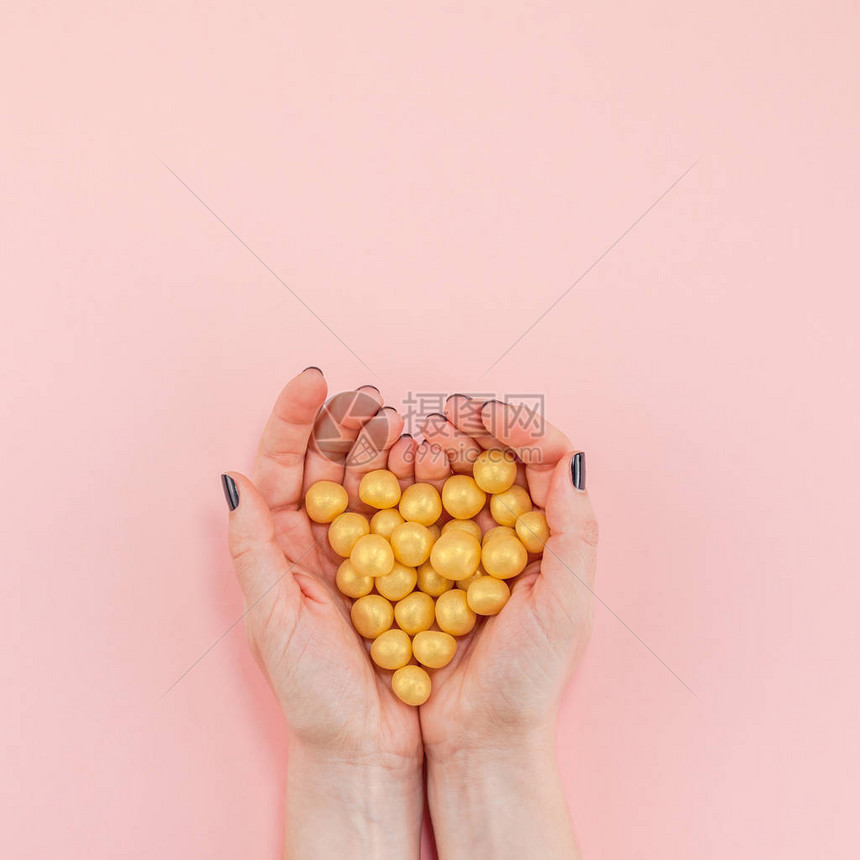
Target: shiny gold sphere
x=456, y=555
x=351, y=583
x=414, y=612
x=325, y=500
x=372, y=615
x=430, y=582
x=345, y=530
x=372, y=555
x=469, y=526
x=411, y=684
x=495, y=470
x=384, y=522
x=495, y=531
x=507, y=506
x=504, y=557
x=453, y=614
x=433, y=648
x=487, y=595
x=391, y=650
x=411, y=543
x=379, y=489
x=421, y=503
x=533, y=530
x=397, y=584
x=462, y=497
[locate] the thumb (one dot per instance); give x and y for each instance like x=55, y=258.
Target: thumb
x=258, y=560
x=570, y=554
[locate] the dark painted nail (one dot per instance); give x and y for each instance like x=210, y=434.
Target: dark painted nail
x=436, y=415
x=406, y=436
x=370, y=386
x=313, y=367
x=577, y=470
x=488, y=402
x=457, y=394
x=231, y=492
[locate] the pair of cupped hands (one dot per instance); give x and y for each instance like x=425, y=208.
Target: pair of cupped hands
x=508, y=674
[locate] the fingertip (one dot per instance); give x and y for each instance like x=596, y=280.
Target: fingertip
x=231, y=491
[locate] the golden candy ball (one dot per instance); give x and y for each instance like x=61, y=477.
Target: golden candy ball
x=421, y=503
x=469, y=526
x=533, y=530
x=431, y=582
x=462, y=497
x=433, y=648
x=397, y=584
x=391, y=649
x=496, y=531
x=345, y=530
x=411, y=543
x=504, y=557
x=487, y=595
x=453, y=614
x=379, y=489
x=325, y=500
x=456, y=555
x=372, y=615
x=351, y=583
x=384, y=522
x=414, y=612
x=507, y=506
x=372, y=555
x=411, y=684
x=495, y=470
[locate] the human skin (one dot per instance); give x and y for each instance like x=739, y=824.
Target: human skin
x=354, y=782
x=489, y=728
x=354, y=771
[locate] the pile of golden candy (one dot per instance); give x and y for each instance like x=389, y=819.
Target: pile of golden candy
x=417, y=584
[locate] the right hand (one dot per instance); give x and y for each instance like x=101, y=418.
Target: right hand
x=335, y=701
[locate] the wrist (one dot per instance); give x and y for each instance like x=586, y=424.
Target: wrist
x=352, y=805
x=475, y=749
x=500, y=798
x=384, y=764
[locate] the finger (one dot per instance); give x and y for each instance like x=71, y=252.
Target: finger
x=401, y=460
x=335, y=430
x=539, y=444
x=431, y=465
x=570, y=554
x=465, y=414
x=258, y=560
x=461, y=450
x=370, y=449
x=281, y=453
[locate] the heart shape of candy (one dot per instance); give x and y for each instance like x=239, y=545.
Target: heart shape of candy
x=422, y=569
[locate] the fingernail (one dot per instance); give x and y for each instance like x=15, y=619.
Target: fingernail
x=370, y=386
x=313, y=367
x=488, y=402
x=452, y=396
x=577, y=470
x=231, y=492
x=406, y=436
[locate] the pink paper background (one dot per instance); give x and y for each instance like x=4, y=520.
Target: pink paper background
x=429, y=179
